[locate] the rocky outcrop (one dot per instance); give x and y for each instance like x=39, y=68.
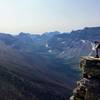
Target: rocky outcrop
x=88, y=88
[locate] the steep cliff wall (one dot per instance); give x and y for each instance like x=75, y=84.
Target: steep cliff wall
x=88, y=88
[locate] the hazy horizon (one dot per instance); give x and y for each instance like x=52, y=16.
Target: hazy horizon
x=17, y=33
x=39, y=16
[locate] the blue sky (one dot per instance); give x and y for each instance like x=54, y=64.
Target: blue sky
x=38, y=16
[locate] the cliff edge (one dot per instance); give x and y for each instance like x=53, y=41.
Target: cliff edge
x=88, y=88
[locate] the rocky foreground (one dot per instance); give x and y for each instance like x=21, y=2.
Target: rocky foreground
x=88, y=88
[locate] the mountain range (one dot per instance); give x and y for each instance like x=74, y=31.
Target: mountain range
x=43, y=67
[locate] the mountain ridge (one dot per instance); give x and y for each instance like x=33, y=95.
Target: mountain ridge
x=44, y=66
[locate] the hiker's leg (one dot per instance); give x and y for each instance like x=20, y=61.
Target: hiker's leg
x=97, y=56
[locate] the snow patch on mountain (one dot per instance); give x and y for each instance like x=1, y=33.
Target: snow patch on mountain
x=63, y=42
x=49, y=51
x=46, y=45
x=83, y=41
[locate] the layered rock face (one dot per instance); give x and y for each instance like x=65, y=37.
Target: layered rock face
x=88, y=88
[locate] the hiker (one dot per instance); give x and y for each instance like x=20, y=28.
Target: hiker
x=97, y=47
